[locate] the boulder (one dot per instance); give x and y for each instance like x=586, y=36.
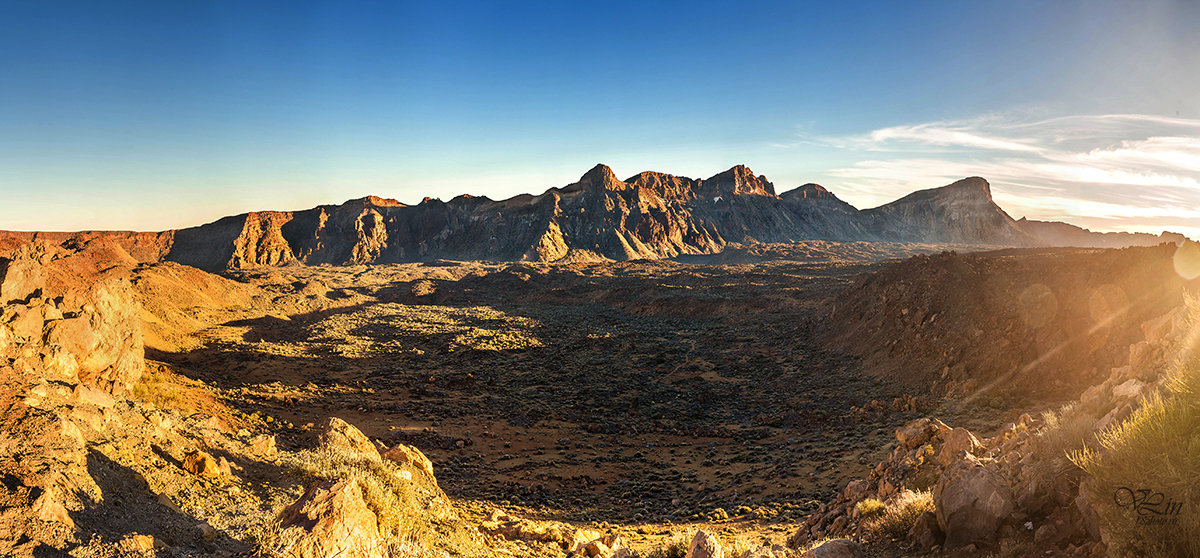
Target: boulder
x=957, y=440
x=1131, y=389
x=264, y=445
x=20, y=279
x=331, y=519
x=341, y=437
x=916, y=432
x=705, y=545
x=972, y=501
x=1159, y=328
x=137, y=543
x=408, y=455
x=25, y=322
x=837, y=548
x=925, y=532
x=204, y=465
x=856, y=490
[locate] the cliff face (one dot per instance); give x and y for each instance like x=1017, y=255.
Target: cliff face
x=651, y=215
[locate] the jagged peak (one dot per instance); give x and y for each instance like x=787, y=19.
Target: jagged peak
x=378, y=201
x=601, y=173
x=599, y=177
x=741, y=180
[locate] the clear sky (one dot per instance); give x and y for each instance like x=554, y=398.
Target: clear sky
x=155, y=115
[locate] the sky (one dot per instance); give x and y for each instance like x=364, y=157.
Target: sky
x=158, y=115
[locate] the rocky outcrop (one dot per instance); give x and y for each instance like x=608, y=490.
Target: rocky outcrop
x=973, y=499
x=648, y=216
x=65, y=352
x=332, y=519
x=338, y=436
x=572, y=540
x=1017, y=485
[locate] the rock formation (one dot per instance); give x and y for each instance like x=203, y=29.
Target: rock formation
x=1018, y=486
x=648, y=216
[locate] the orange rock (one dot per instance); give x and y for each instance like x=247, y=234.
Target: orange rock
x=340, y=436
x=408, y=455
x=203, y=465
x=332, y=519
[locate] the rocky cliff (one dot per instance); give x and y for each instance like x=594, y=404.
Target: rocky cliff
x=600, y=217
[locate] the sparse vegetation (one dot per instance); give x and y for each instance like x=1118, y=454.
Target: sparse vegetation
x=412, y=514
x=675, y=546
x=1156, y=450
x=869, y=507
x=897, y=516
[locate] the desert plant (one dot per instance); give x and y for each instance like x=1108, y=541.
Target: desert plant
x=741, y=543
x=412, y=511
x=674, y=546
x=1145, y=476
x=869, y=507
x=897, y=516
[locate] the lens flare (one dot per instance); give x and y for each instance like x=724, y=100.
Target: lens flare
x=1187, y=260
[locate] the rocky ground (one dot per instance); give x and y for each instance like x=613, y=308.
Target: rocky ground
x=601, y=408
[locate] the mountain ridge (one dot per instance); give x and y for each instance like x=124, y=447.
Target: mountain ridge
x=650, y=215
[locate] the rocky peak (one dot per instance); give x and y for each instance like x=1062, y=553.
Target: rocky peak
x=381, y=202
x=739, y=180
x=600, y=177
x=810, y=191
x=970, y=186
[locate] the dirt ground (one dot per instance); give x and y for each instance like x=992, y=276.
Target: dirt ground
x=649, y=395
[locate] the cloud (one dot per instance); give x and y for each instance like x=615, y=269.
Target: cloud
x=1108, y=171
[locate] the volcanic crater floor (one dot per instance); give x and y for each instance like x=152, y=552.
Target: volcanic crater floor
x=635, y=394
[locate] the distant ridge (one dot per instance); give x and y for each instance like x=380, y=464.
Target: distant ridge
x=650, y=215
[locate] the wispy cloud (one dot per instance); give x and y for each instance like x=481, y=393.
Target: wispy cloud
x=1108, y=171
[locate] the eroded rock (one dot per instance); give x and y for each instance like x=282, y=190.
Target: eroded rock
x=341, y=437
x=972, y=501
x=331, y=520
x=704, y=545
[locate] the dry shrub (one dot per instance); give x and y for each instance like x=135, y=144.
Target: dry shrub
x=674, y=546
x=740, y=544
x=869, y=507
x=1156, y=449
x=898, y=516
x=1064, y=432
x=414, y=516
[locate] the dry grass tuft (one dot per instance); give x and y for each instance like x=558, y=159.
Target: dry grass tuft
x=898, y=516
x=674, y=546
x=869, y=507
x=1156, y=449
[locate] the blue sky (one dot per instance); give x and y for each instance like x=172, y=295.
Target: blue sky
x=158, y=115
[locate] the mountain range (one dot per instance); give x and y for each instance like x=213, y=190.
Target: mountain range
x=650, y=215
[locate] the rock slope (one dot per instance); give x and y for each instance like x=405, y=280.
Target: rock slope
x=600, y=217
x=1016, y=491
